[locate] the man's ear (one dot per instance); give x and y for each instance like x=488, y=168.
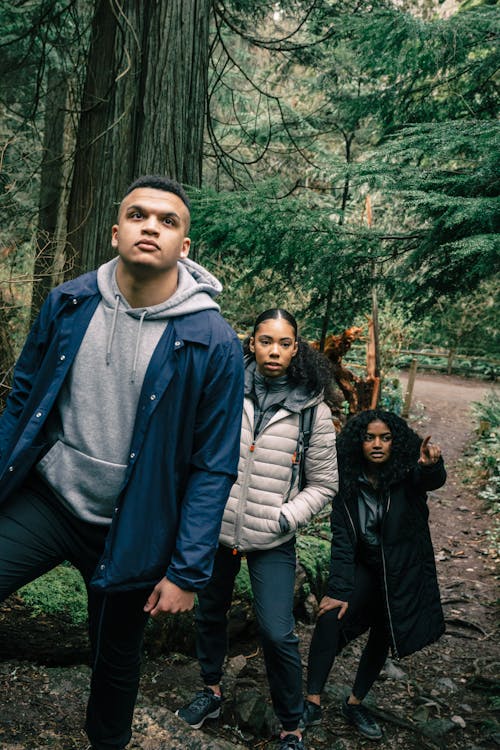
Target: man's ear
x=251, y=344
x=186, y=244
x=114, y=236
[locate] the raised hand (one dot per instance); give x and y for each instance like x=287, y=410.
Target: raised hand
x=429, y=454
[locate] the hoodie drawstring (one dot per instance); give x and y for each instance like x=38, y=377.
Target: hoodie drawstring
x=136, y=354
x=112, y=335
x=112, y=330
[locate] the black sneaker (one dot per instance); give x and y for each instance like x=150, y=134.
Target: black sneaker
x=311, y=716
x=360, y=717
x=205, y=705
x=290, y=742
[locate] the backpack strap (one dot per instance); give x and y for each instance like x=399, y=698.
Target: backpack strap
x=306, y=421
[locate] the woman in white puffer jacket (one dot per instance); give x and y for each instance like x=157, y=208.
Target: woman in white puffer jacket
x=285, y=378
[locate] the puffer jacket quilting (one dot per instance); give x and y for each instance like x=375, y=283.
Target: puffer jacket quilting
x=262, y=491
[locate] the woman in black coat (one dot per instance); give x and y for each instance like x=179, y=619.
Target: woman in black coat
x=382, y=570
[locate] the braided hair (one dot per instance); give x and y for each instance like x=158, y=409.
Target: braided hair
x=308, y=367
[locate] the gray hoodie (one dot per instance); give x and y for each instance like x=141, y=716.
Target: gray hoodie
x=93, y=419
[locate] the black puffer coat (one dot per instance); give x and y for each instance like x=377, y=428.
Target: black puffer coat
x=412, y=602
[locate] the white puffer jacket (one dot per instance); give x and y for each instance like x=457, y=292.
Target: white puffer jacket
x=262, y=491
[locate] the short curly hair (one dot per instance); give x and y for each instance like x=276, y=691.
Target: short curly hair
x=405, y=449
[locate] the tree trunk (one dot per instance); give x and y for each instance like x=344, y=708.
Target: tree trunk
x=143, y=111
x=348, y=139
x=58, y=142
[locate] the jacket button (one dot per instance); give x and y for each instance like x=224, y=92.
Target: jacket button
x=75, y=301
x=102, y=567
x=38, y=414
x=153, y=397
x=177, y=343
x=11, y=468
x=132, y=455
x=62, y=357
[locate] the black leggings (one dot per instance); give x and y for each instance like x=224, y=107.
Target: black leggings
x=366, y=604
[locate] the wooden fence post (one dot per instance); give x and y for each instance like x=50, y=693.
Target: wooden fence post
x=409, y=388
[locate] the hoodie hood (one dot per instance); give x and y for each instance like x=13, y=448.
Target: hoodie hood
x=195, y=291
x=196, y=288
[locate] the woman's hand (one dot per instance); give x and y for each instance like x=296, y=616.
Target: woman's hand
x=327, y=603
x=429, y=454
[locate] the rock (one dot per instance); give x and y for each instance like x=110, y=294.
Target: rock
x=310, y=609
x=235, y=666
x=459, y=721
x=253, y=712
x=445, y=685
x=159, y=729
x=436, y=729
x=393, y=672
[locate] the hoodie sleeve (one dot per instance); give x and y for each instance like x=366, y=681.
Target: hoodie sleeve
x=320, y=470
x=214, y=464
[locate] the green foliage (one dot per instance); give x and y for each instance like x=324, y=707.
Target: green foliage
x=467, y=324
x=487, y=460
x=484, y=369
x=60, y=591
x=314, y=553
x=243, y=586
x=446, y=174
x=291, y=247
x=391, y=395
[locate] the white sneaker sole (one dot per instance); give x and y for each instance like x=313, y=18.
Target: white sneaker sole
x=214, y=715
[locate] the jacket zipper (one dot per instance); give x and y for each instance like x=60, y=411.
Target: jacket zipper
x=386, y=592
x=244, y=488
x=351, y=521
x=241, y=504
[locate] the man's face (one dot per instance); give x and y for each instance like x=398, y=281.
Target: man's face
x=151, y=232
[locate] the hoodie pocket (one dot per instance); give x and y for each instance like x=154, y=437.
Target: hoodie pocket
x=87, y=484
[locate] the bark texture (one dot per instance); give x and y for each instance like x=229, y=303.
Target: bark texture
x=143, y=111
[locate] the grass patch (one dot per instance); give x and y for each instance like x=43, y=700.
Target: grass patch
x=60, y=591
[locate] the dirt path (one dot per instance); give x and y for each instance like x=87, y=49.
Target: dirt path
x=442, y=405
x=441, y=697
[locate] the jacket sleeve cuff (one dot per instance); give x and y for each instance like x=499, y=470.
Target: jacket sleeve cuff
x=284, y=524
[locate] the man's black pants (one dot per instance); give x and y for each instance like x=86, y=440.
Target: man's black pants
x=36, y=534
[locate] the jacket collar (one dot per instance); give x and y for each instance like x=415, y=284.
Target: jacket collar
x=298, y=398
x=192, y=327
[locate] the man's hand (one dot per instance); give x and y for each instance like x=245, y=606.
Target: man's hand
x=167, y=597
x=327, y=603
x=429, y=454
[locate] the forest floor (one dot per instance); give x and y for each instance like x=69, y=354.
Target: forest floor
x=446, y=696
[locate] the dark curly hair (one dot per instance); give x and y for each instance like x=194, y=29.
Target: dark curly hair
x=405, y=449
x=309, y=367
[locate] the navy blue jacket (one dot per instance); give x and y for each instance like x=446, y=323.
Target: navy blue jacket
x=184, y=449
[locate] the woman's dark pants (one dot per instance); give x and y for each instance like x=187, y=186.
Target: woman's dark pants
x=272, y=575
x=366, y=606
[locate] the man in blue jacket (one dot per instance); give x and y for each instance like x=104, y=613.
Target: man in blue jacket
x=120, y=441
